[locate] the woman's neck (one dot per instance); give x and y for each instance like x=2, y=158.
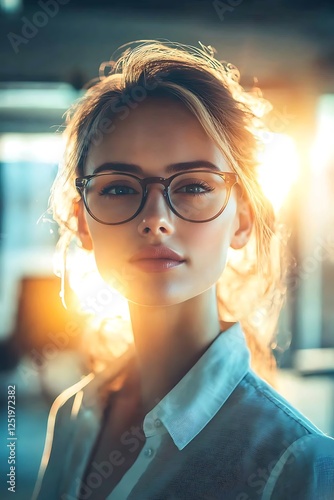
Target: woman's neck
x=169, y=340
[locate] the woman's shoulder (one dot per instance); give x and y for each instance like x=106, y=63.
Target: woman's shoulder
x=267, y=403
x=274, y=422
x=305, y=470
x=294, y=459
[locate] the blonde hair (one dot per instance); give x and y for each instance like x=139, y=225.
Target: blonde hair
x=252, y=288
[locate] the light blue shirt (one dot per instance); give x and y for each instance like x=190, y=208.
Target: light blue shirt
x=220, y=433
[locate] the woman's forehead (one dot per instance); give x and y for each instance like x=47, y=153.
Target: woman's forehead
x=158, y=133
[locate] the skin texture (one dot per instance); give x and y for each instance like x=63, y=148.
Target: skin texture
x=174, y=314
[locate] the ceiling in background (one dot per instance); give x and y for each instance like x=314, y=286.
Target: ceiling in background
x=281, y=43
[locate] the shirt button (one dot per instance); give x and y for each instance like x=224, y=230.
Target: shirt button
x=157, y=423
x=148, y=452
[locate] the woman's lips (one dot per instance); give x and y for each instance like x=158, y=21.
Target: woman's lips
x=157, y=265
x=156, y=258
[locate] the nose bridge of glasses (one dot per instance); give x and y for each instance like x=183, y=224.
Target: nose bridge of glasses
x=155, y=180
x=152, y=198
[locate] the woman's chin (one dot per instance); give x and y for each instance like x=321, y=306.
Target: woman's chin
x=154, y=300
x=150, y=292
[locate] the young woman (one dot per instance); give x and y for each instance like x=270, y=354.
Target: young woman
x=160, y=182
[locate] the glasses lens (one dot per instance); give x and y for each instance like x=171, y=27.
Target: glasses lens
x=198, y=196
x=113, y=198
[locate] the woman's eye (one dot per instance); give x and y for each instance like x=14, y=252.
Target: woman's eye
x=195, y=189
x=118, y=190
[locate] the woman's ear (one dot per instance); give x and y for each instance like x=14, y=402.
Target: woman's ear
x=245, y=221
x=83, y=231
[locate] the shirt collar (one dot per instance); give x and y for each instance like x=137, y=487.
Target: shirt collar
x=199, y=395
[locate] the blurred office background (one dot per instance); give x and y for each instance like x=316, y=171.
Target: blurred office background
x=50, y=49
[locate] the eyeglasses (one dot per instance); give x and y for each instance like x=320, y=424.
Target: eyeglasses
x=195, y=196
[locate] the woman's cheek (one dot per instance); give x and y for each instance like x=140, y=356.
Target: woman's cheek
x=210, y=246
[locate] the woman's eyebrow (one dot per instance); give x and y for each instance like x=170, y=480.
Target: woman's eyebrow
x=118, y=167
x=170, y=169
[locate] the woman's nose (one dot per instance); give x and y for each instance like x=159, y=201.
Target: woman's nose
x=156, y=217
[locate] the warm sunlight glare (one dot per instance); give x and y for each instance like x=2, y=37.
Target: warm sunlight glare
x=279, y=168
x=95, y=296
x=105, y=308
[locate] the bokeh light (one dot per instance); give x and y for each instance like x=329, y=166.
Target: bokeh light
x=279, y=168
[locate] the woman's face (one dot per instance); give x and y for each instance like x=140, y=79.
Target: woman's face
x=155, y=135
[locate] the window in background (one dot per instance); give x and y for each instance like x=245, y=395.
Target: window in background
x=28, y=165
x=323, y=173
x=316, y=266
